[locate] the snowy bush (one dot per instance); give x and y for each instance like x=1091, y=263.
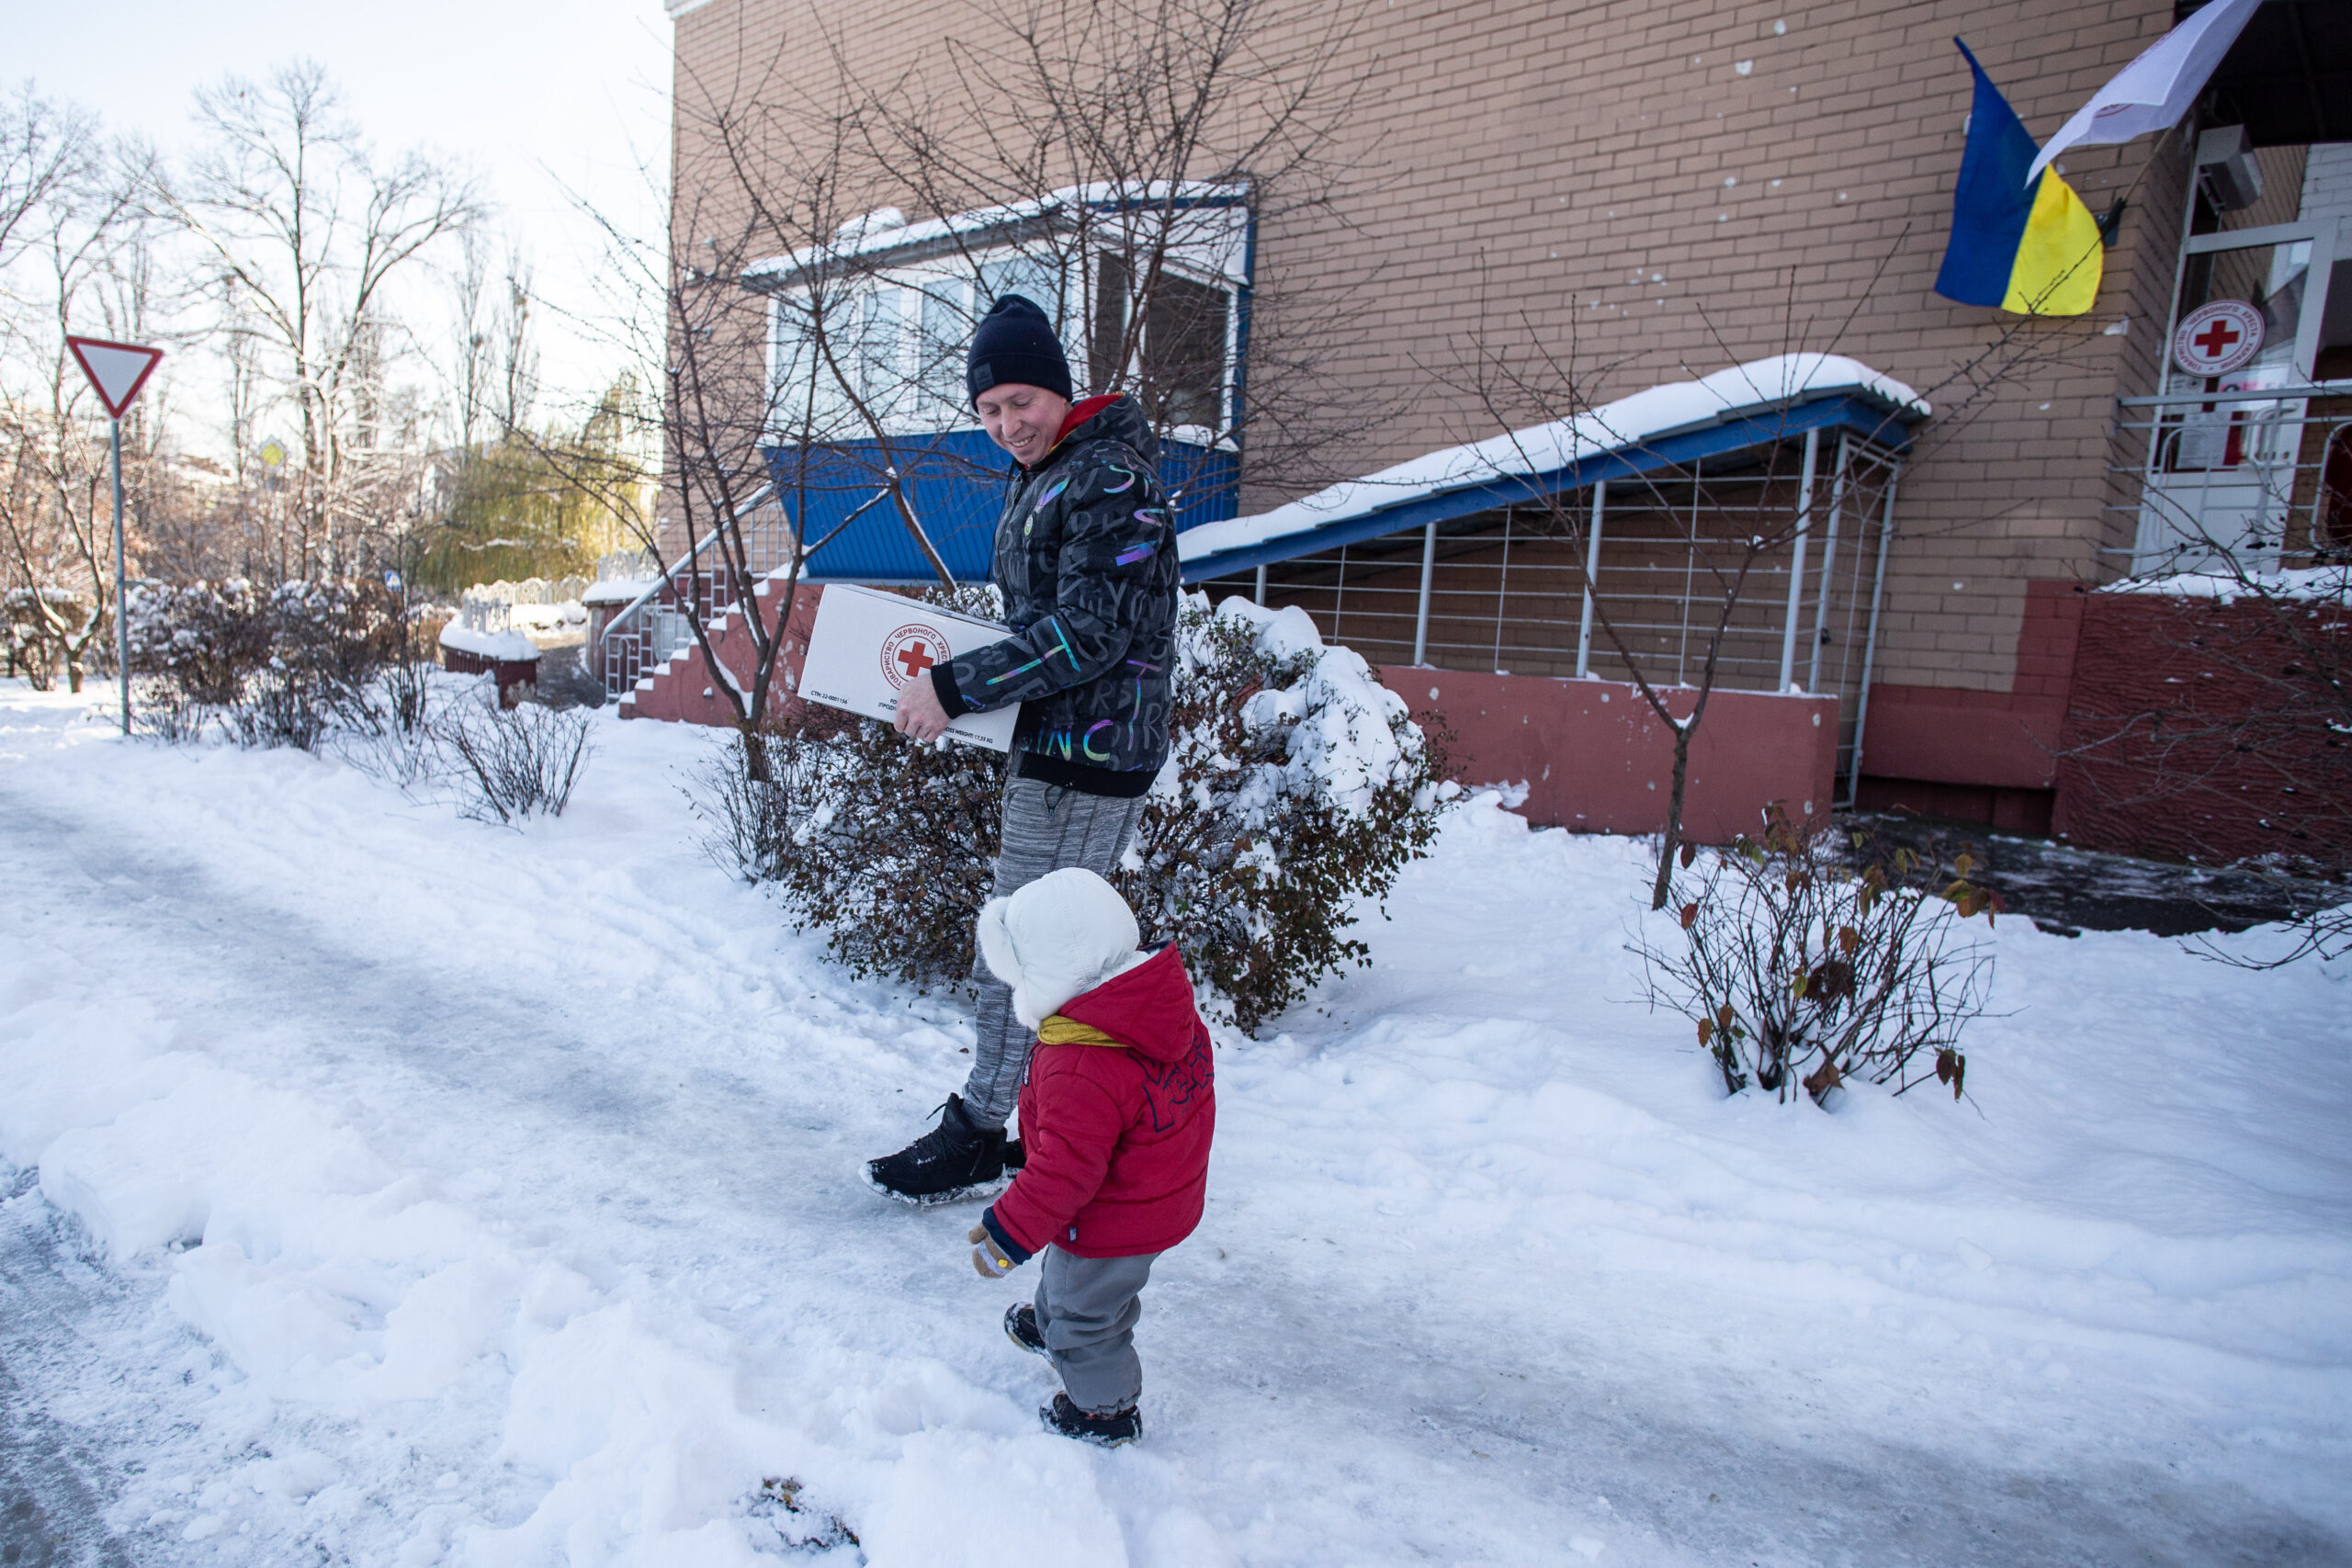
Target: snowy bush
x=885, y=844
x=509, y=763
x=279, y=667
x=29, y=623
x=1297, y=785
x=1802, y=965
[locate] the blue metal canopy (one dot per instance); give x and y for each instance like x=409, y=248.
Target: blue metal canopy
x=955, y=482
x=1868, y=418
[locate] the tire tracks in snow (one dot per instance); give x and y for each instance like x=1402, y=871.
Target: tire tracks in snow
x=53, y=1489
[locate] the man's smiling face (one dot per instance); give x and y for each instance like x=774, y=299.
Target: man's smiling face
x=1023, y=420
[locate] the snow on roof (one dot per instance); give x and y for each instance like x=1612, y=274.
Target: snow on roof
x=1647, y=415
x=616, y=590
x=884, y=230
x=2313, y=584
x=504, y=646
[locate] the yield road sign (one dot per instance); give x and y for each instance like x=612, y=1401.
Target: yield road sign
x=117, y=369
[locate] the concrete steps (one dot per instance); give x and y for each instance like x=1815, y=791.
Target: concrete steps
x=685, y=689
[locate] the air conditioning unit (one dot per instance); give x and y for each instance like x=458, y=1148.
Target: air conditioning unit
x=2231, y=173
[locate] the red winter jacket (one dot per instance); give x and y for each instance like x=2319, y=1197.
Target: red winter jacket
x=1116, y=1117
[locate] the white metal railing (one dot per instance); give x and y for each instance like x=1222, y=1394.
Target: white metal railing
x=659, y=622
x=1517, y=592
x=2246, y=479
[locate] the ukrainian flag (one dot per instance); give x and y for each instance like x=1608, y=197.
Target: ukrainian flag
x=2032, y=249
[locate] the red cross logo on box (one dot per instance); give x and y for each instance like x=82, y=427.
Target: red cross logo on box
x=909, y=652
x=2215, y=339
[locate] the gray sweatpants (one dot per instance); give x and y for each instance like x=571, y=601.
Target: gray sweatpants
x=1047, y=827
x=1087, y=1309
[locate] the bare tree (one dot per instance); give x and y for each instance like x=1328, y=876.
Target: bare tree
x=518, y=351
x=73, y=259
x=473, y=357
x=1130, y=129
x=302, y=234
x=809, y=336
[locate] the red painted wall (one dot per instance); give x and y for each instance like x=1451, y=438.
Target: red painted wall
x=2179, y=740
x=2002, y=739
x=687, y=691
x=1594, y=756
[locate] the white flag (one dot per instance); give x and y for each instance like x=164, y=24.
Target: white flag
x=2155, y=90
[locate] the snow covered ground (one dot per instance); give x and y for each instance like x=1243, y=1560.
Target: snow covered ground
x=384, y=1188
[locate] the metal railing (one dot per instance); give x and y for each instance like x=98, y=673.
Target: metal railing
x=1515, y=592
x=659, y=622
x=2244, y=480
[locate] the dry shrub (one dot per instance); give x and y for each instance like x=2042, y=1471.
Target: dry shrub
x=287, y=666
x=1808, y=959
x=510, y=764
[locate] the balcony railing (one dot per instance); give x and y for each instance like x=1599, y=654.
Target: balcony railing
x=2244, y=481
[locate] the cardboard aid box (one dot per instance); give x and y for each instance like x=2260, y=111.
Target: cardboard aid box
x=867, y=645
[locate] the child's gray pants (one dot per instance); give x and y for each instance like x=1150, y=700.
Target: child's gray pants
x=1047, y=827
x=1087, y=1311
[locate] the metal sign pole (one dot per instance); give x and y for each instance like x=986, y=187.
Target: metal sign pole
x=121, y=604
x=117, y=371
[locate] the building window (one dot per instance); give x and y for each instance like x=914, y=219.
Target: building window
x=1185, y=327
x=898, y=343
x=1182, y=362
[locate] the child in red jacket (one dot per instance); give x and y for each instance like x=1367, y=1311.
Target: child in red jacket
x=1115, y=1118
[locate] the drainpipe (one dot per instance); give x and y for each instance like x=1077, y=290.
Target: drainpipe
x=1422, y=616
x=1796, y=565
x=1870, y=643
x=1591, y=575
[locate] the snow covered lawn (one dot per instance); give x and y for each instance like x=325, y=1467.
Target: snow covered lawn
x=384, y=1188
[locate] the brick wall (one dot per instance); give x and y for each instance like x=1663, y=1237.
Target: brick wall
x=1649, y=191
x=2185, y=738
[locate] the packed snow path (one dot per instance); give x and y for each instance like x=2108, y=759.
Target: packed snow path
x=409, y=1192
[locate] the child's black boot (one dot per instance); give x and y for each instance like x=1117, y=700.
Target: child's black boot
x=1021, y=1327
x=1116, y=1429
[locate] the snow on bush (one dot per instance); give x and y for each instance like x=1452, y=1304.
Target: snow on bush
x=33, y=638
x=308, y=663
x=1298, y=785
x=1801, y=968
x=274, y=667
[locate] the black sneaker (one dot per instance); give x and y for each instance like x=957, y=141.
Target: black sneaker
x=1116, y=1430
x=1021, y=1327
x=959, y=1158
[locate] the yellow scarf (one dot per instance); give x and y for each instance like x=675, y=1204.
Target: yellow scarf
x=1059, y=1031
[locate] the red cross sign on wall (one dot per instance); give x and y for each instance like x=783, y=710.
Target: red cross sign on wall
x=2217, y=338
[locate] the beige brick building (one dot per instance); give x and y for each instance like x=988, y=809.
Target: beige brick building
x=1649, y=193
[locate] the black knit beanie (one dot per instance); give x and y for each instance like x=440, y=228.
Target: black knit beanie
x=1015, y=344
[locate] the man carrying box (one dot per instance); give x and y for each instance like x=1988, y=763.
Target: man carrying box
x=1086, y=559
